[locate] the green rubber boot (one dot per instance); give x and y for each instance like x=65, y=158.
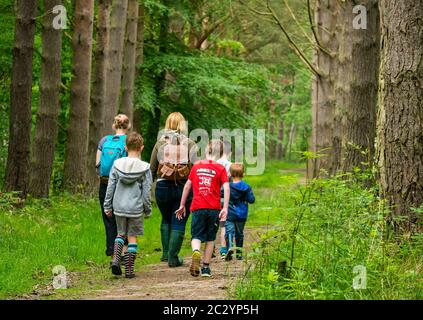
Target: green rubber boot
x=165, y=235
x=175, y=244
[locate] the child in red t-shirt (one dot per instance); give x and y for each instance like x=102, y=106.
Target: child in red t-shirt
x=206, y=179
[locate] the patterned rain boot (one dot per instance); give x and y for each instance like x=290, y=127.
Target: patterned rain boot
x=130, y=257
x=117, y=252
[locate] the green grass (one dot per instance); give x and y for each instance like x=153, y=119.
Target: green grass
x=313, y=236
x=317, y=234
x=68, y=231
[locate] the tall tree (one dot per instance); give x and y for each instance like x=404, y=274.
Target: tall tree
x=18, y=159
x=323, y=141
x=357, y=83
x=97, y=125
x=115, y=58
x=77, y=140
x=139, y=60
x=49, y=103
x=400, y=118
x=129, y=60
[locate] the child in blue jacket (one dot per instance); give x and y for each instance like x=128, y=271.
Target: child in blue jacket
x=241, y=195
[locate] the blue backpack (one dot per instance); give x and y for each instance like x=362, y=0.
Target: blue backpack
x=113, y=149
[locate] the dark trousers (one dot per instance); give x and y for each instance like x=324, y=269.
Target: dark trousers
x=109, y=222
x=234, y=230
x=168, y=198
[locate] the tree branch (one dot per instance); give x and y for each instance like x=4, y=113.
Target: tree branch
x=316, y=38
x=297, y=50
x=212, y=29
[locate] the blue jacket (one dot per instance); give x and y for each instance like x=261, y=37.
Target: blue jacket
x=241, y=194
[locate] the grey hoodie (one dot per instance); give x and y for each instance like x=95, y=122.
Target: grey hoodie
x=128, y=190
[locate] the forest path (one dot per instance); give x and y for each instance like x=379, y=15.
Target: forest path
x=159, y=282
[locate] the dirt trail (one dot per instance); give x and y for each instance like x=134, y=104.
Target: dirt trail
x=158, y=281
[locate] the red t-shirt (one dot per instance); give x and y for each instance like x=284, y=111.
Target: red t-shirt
x=207, y=178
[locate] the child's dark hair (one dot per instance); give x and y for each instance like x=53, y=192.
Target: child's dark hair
x=237, y=170
x=134, y=141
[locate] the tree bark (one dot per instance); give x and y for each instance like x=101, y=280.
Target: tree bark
x=400, y=118
x=115, y=59
x=77, y=140
x=140, y=60
x=323, y=141
x=18, y=158
x=271, y=128
x=280, y=146
x=49, y=104
x=129, y=60
x=357, y=85
x=97, y=125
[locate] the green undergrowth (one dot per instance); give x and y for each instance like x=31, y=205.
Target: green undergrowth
x=328, y=240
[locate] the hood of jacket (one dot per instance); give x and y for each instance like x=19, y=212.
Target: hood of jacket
x=239, y=189
x=130, y=169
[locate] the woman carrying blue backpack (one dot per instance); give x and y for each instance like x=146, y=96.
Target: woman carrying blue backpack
x=110, y=148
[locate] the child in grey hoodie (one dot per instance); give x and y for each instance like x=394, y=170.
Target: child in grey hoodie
x=128, y=195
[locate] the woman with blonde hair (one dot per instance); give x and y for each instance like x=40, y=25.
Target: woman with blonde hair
x=171, y=162
x=110, y=148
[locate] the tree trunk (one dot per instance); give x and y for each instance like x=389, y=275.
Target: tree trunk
x=129, y=60
x=280, y=148
x=49, y=104
x=97, y=125
x=272, y=140
x=400, y=118
x=323, y=141
x=77, y=140
x=140, y=60
x=357, y=85
x=18, y=158
x=115, y=59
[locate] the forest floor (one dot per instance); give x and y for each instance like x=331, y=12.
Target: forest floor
x=88, y=273
x=158, y=281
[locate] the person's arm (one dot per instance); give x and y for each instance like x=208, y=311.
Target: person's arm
x=180, y=213
x=111, y=186
x=226, y=193
x=154, y=163
x=146, y=189
x=250, y=196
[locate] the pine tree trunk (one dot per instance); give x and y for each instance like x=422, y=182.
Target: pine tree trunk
x=272, y=130
x=49, y=104
x=400, y=118
x=280, y=147
x=115, y=59
x=323, y=141
x=18, y=158
x=129, y=60
x=77, y=140
x=97, y=126
x=140, y=60
x=357, y=85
